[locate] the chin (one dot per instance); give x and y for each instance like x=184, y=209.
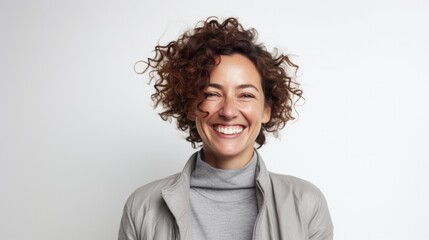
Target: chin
x=229, y=151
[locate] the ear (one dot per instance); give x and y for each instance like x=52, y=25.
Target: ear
x=267, y=114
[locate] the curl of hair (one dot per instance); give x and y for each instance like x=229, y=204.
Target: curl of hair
x=181, y=71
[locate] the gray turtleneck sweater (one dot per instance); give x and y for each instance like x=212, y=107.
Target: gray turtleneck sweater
x=223, y=202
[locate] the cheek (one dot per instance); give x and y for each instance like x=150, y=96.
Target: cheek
x=254, y=113
x=199, y=126
x=208, y=108
x=201, y=122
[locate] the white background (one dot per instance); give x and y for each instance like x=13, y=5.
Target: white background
x=78, y=133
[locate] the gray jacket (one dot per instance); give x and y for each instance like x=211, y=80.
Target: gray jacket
x=289, y=208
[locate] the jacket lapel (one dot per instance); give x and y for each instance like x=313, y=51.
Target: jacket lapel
x=176, y=197
x=265, y=227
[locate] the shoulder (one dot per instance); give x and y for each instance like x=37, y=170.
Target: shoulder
x=293, y=183
x=303, y=193
x=149, y=194
x=144, y=209
x=305, y=200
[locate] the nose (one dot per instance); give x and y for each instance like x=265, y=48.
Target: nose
x=228, y=109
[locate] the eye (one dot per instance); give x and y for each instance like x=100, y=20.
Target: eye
x=247, y=95
x=211, y=95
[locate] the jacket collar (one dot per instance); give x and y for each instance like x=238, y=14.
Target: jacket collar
x=263, y=182
x=176, y=196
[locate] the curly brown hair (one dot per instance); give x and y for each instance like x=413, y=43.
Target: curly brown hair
x=181, y=70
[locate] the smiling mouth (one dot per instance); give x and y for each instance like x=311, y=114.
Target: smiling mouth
x=228, y=130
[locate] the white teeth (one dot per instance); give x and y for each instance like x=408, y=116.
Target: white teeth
x=228, y=130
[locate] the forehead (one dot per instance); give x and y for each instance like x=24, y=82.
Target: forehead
x=235, y=69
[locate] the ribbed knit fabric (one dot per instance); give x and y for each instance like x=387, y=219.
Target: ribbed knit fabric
x=223, y=202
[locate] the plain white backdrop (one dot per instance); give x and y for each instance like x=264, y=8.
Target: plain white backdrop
x=78, y=133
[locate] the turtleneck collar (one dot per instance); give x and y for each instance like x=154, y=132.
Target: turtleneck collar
x=206, y=176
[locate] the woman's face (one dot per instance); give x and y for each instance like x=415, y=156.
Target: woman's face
x=235, y=109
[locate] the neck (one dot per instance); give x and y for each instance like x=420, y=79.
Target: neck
x=228, y=162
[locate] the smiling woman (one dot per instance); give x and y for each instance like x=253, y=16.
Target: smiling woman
x=233, y=112
x=227, y=91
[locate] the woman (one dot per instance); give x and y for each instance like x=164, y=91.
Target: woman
x=227, y=91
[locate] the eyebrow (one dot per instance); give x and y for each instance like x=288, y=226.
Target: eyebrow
x=241, y=86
